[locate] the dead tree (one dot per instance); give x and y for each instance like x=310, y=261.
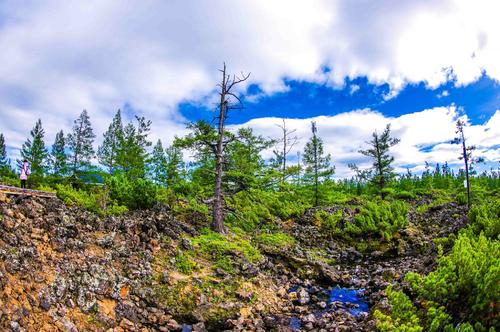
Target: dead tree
x=228, y=101
x=288, y=142
x=466, y=156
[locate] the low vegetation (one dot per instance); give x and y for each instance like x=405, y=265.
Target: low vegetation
x=261, y=206
x=463, y=288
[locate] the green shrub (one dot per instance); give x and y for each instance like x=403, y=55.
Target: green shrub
x=388, y=192
x=81, y=198
x=486, y=218
x=11, y=180
x=144, y=194
x=438, y=319
x=384, y=218
x=404, y=195
x=328, y=222
x=45, y=187
x=222, y=250
x=166, y=196
x=254, y=207
x=402, y=317
x=277, y=240
x=461, y=198
x=135, y=194
x=192, y=211
x=466, y=280
x=95, y=201
x=115, y=210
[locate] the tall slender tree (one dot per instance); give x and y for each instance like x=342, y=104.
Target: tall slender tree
x=175, y=166
x=107, y=153
x=80, y=143
x=158, y=166
x=228, y=101
x=210, y=143
x=34, y=150
x=133, y=148
x=5, y=166
x=4, y=162
x=285, y=144
x=381, y=172
x=317, y=164
x=59, y=159
x=466, y=156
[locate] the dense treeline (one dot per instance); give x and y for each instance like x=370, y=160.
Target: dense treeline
x=128, y=159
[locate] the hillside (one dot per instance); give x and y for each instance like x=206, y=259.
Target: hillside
x=161, y=269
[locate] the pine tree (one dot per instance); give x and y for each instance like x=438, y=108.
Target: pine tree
x=175, y=166
x=4, y=162
x=59, y=161
x=201, y=140
x=133, y=148
x=80, y=143
x=158, y=166
x=108, y=151
x=381, y=172
x=244, y=166
x=317, y=164
x=34, y=150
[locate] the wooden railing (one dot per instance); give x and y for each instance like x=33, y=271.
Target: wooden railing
x=10, y=190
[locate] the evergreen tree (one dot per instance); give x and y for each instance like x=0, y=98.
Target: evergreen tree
x=34, y=150
x=317, y=164
x=4, y=162
x=59, y=160
x=382, y=171
x=244, y=167
x=80, y=143
x=158, y=166
x=201, y=141
x=107, y=153
x=175, y=166
x=133, y=148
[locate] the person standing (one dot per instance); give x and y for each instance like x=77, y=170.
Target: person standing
x=24, y=173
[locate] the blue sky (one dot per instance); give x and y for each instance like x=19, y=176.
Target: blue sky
x=352, y=66
x=303, y=100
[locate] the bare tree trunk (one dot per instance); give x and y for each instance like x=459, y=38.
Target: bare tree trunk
x=466, y=160
x=315, y=166
x=288, y=144
x=380, y=171
x=285, y=138
x=218, y=215
x=224, y=106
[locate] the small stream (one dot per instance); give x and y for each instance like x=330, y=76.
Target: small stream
x=350, y=299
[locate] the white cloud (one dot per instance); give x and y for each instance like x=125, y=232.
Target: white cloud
x=443, y=94
x=59, y=57
x=353, y=89
x=346, y=133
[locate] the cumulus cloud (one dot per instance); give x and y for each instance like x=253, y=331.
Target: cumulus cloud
x=425, y=136
x=60, y=57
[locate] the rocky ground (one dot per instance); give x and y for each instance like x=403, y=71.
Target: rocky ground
x=65, y=269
